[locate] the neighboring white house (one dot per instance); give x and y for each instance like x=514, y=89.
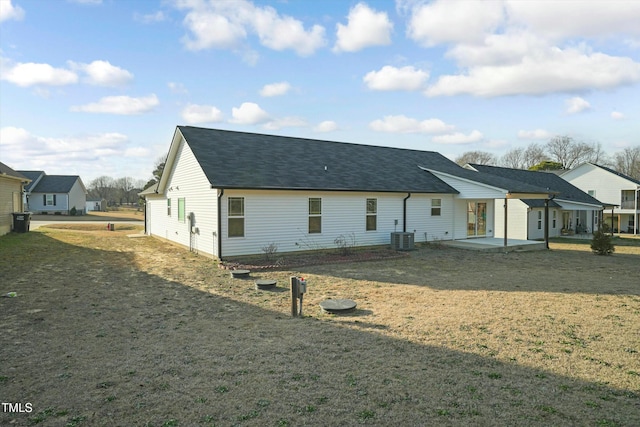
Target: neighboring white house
x=571, y=210
x=11, y=189
x=55, y=194
x=96, y=205
x=612, y=188
x=225, y=193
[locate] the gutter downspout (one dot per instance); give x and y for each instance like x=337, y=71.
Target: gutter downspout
x=635, y=214
x=219, y=231
x=404, y=213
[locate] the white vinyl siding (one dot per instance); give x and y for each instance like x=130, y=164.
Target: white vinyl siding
x=187, y=181
x=282, y=217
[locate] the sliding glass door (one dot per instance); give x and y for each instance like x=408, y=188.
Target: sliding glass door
x=476, y=219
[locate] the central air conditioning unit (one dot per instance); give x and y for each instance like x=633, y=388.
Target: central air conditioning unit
x=402, y=241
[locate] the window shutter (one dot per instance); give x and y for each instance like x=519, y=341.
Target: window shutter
x=54, y=200
x=44, y=200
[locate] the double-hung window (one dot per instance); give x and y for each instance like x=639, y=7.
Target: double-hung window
x=539, y=220
x=236, y=217
x=436, y=207
x=49, y=199
x=372, y=214
x=315, y=215
x=554, y=218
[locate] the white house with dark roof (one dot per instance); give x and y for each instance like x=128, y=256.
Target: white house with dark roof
x=55, y=194
x=571, y=210
x=225, y=193
x=613, y=188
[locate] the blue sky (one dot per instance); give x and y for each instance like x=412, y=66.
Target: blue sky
x=96, y=87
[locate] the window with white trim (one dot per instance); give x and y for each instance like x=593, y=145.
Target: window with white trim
x=436, y=207
x=315, y=215
x=539, y=220
x=181, y=209
x=236, y=217
x=554, y=213
x=372, y=214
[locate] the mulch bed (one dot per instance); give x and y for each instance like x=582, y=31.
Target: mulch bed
x=286, y=262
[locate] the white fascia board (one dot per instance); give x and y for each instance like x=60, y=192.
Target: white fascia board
x=170, y=161
x=564, y=204
x=480, y=184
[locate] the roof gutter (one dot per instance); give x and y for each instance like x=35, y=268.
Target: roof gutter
x=404, y=213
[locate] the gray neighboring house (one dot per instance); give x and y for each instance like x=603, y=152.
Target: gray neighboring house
x=571, y=210
x=55, y=194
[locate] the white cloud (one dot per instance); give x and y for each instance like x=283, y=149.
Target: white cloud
x=285, y=122
x=403, y=124
x=150, y=18
x=513, y=47
x=177, y=88
x=446, y=21
x=326, y=126
x=555, y=70
x=225, y=25
x=60, y=154
x=365, y=28
x=275, y=89
x=534, y=134
x=617, y=115
x=249, y=113
x=9, y=11
x=458, y=138
x=392, y=78
x=194, y=114
x=577, y=105
x=102, y=73
x=588, y=18
x=124, y=105
x=32, y=74
x=86, y=1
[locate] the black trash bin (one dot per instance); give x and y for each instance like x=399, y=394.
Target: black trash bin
x=21, y=221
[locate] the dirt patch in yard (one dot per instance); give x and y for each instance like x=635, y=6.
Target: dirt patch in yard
x=110, y=330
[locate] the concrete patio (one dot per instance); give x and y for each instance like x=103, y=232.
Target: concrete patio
x=496, y=244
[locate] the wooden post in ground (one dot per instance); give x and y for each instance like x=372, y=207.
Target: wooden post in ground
x=294, y=296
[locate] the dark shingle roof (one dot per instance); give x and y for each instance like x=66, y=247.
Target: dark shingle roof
x=615, y=172
x=249, y=160
x=55, y=184
x=551, y=181
x=33, y=176
x=6, y=170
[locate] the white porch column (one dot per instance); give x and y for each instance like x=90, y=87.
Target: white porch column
x=505, y=221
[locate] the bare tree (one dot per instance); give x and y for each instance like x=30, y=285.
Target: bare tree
x=627, y=162
x=513, y=159
x=570, y=153
x=524, y=158
x=533, y=155
x=102, y=188
x=479, y=157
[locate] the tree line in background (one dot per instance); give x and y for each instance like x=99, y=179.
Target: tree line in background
x=560, y=152
x=123, y=191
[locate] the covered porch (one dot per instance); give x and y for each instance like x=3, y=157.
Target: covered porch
x=497, y=244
